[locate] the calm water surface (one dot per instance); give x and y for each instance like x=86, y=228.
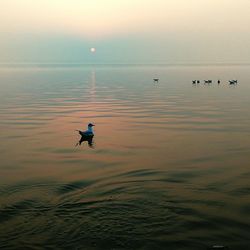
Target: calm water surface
x=169, y=168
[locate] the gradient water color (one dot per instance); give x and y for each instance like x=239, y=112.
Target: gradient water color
x=169, y=168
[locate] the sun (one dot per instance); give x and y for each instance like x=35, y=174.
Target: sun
x=92, y=50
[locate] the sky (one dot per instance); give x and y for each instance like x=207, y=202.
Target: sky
x=125, y=31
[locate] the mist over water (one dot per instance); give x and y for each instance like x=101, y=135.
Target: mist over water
x=169, y=166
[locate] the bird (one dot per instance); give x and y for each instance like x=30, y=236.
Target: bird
x=232, y=82
x=156, y=79
x=207, y=81
x=89, y=132
x=87, y=136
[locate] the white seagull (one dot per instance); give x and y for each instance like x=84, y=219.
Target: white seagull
x=89, y=132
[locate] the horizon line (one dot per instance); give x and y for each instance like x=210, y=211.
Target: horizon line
x=123, y=63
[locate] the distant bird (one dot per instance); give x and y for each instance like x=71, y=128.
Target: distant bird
x=232, y=82
x=89, y=132
x=156, y=79
x=207, y=81
x=195, y=81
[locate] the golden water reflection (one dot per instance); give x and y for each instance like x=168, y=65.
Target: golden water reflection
x=177, y=153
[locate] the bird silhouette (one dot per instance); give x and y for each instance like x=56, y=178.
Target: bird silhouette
x=233, y=82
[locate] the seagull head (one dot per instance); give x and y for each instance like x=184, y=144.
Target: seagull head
x=90, y=125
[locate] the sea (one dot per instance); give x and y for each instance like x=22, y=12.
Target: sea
x=168, y=167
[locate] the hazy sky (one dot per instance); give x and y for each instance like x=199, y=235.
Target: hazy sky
x=146, y=31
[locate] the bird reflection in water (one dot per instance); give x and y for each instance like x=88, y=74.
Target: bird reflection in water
x=88, y=139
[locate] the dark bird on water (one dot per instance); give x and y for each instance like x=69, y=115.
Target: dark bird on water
x=195, y=81
x=232, y=82
x=207, y=81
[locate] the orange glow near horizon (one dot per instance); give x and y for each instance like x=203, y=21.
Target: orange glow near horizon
x=97, y=19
